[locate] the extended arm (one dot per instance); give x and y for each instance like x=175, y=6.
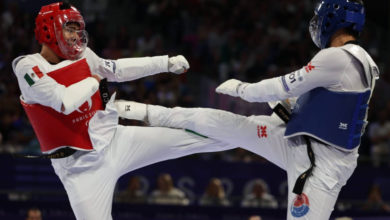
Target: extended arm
x=325, y=70
x=128, y=69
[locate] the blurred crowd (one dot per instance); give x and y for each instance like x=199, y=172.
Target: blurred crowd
x=248, y=40
x=256, y=194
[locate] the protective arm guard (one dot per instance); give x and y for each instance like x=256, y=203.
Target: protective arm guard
x=128, y=69
x=75, y=95
x=264, y=91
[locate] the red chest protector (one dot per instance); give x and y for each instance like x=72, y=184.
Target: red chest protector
x=55, y=129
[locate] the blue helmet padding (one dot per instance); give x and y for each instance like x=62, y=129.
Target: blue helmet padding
x=332, y=15
x=357, y=19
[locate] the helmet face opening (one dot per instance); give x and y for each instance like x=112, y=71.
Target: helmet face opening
x=333, y=15
x=53, y=27
x=72, y=39
x=315, y=30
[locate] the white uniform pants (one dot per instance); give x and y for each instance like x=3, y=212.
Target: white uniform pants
x=89, y=178
x=264, y=135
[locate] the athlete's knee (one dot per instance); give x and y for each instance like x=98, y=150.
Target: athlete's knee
x=212, y=120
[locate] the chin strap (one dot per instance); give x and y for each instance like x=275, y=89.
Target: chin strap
x=352, y=42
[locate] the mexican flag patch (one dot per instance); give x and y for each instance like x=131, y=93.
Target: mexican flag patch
x=34, y=76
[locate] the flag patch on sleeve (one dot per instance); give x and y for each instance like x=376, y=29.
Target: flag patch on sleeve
x=32, y=77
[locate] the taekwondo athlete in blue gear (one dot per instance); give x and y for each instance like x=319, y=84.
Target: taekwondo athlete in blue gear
x=333, y=90
x=318, y=113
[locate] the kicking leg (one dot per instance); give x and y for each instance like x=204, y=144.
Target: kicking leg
x=135, y=147
x=262, y=135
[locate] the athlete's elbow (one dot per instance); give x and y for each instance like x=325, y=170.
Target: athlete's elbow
x=69, y=105
x=66, y=110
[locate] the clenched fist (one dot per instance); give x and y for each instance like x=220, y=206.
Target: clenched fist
x=178, y=64
x=230, y=87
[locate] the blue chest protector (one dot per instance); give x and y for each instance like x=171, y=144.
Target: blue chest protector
x=335, y=118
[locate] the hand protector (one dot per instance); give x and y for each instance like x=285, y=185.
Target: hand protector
x=232, y=87
x=178, y=64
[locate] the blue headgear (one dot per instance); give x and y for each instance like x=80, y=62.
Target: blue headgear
x=333, y=15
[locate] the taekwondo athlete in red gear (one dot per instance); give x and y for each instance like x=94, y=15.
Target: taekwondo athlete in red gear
x=318, y=145
x=60, y=94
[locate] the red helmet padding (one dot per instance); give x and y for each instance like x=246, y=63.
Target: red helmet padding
x=51, y=19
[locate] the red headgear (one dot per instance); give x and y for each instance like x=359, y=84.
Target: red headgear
x=49, y=26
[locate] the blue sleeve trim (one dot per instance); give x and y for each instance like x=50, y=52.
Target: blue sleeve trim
x=285, y=84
